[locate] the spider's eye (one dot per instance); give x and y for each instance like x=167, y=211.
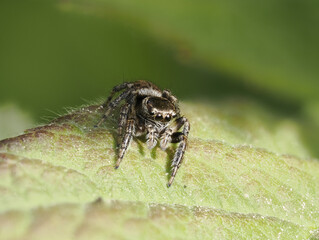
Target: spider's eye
x=152, y=113
x=168, y=117
x=158, y=117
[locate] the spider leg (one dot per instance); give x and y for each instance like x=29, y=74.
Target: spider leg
x=111, y=105
x=127, y=137
x=180, y=137
x=115, y=90
x=151, y=136
x=166, y=136
x=125, y=109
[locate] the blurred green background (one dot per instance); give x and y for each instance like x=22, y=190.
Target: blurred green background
x=58, y=54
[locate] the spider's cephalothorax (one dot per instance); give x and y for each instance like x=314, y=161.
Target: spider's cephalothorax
x=148, y=110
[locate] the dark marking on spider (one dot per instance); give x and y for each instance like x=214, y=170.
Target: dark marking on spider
x=151, y=111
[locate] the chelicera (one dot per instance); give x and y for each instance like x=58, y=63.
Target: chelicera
x=151, y=111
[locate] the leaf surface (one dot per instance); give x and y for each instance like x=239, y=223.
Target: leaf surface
x=62, y=176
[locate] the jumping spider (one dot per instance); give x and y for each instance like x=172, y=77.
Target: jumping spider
x=148, y=110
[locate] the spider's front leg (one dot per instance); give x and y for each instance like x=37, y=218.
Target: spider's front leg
x=180, y=137
x=151, y=136
x=125, y=110
x=126, y=140
x=128, y=121
x=166, y=136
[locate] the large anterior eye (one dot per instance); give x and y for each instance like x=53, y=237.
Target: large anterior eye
x=168, y=118
x=158, y=117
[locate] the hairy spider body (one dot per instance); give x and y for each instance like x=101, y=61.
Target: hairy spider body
x=151, y=111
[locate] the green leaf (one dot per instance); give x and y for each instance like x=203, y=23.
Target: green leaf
x=246, y=174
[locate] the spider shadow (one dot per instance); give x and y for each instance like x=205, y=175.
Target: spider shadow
x=116, y=144
x=110, y=124
x=141, y=140
x=154, y=152
x=170, y=152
